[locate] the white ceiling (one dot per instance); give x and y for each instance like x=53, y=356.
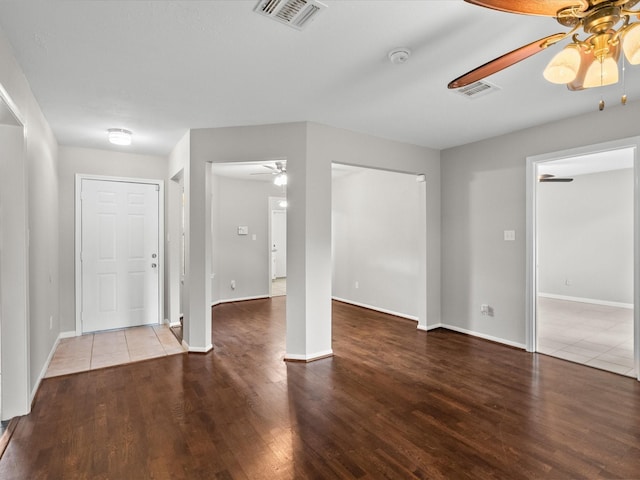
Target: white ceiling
x=159, y=68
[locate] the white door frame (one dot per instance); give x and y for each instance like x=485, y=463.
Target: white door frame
x=532, y=273
x=78, y=242
x=272, y=200
x=15, y=388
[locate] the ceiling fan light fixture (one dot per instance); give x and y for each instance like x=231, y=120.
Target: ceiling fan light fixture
x=280, y=180
x=631, y=44
x=564, y=66
x=601, y=73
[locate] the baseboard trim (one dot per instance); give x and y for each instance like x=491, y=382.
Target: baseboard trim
x=45, y=367
x=292, y=357
x=429, y=327
x=175, y=324
x=191, y=349
x=377, y=309
x=484, y=336
x=239, y=299
x=587, y=300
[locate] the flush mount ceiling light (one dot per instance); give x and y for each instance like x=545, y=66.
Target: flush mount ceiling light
x=119, y=136
x=588, y=63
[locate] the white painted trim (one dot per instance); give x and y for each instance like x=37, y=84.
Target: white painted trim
x=43, y=372
x=308, y=358
x=239, y=299
x=190, y=349
x=532, y=279
x=484, y=336
x=586, y=300
x=174, y=324
x=377, y=309
x=430, y=327
x=4, y=95
x=78, y=239
x=15, y=381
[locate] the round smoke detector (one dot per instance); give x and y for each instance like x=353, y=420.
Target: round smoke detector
x=398, y=56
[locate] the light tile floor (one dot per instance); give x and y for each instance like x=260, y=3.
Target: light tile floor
x=279, y=287
x=115, y=347
x=594, y=335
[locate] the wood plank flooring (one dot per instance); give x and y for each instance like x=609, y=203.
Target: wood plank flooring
x=393, y=402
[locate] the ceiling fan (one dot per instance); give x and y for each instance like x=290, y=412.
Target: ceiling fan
x=275, y=169
x=592, y=62
x=279, y=169
x=547, y=177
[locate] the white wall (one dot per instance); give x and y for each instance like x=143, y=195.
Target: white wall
x=29, y=355
x=240, y=257
x=92, y=162
x=483, y=194
x=375, y=218
x=351, y=148
x=585, y=237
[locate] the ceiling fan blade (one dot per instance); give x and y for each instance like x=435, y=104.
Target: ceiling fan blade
x=506, y=60
x=546, y=8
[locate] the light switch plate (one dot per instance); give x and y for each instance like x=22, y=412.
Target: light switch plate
x=509, y=235
x=243, y=230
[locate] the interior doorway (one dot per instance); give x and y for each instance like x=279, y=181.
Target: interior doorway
x=583, y=261
x=379, y=240
x=14, y=278
x=278, y=246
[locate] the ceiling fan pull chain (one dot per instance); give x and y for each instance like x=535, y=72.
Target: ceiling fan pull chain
x=623, y=99
x=601, y=103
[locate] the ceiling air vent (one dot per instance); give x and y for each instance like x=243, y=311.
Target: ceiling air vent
x=295, y=13
x=477, y=89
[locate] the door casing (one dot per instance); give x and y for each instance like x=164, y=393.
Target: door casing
x=531, y=247
x=78, y=239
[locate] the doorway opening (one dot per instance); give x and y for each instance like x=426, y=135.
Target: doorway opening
x=14, y=257
x=278, y=246
x=379, y=240
x=248, y=215
x=582, y=257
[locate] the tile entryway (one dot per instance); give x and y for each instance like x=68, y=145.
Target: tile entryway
x=116, y=347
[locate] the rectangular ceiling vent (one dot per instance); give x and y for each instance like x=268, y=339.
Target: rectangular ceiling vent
x=295, y=13
x=477, y=89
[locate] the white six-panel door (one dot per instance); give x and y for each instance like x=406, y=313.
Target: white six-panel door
x=119, y=254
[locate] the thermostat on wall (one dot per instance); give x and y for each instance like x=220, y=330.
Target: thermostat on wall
x=243, y=230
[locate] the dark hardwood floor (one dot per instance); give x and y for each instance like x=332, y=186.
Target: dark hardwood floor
x=393, y=402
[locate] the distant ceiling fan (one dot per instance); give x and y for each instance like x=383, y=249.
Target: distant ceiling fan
x=279, y=169
x=275, y=169
x=592, y=62
x=547, y=177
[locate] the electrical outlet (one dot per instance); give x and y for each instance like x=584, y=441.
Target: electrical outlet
x=233, y=284
x=357, y=284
